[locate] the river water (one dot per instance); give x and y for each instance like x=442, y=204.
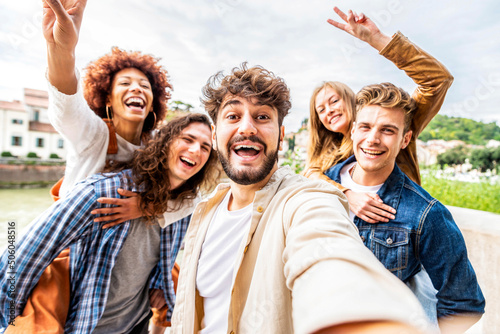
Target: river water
x=21, y=206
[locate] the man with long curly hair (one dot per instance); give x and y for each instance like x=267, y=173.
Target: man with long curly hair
x=112, y=270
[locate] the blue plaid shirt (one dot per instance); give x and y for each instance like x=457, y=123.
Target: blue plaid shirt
x=69, y=223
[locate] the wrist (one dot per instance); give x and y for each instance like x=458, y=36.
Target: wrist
x=379, y=41
x=61, y=70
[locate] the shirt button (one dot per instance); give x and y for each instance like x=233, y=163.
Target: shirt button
x=389, y=241
x=260, y=209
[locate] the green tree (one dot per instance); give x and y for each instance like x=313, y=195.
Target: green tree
x=484, y=159
x=468, y=130
x=454, y=156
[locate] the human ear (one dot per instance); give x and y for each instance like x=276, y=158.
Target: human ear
x=282, y=137
x=406, y=139
x=214, y=138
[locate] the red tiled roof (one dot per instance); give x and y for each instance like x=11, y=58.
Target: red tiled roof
x=14, y=105
x=42, y=127
x=36, y=98
x=36, y=92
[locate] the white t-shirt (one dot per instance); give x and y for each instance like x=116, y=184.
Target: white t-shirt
x=346, y=181
x=214, y=278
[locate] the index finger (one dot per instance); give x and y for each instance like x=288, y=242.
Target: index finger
x=127, y=193
x=57, y=8
x=337, y=24
x=383, y=206
x=340, y=13
x=109, y=200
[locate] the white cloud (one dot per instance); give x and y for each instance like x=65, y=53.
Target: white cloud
x=196, y=39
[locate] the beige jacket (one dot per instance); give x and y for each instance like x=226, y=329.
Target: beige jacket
x=302, y=267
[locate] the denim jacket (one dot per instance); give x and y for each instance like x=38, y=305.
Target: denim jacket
x=423, y=233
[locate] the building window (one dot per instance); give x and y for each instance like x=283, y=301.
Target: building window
x=17, y=141
x=17, y=121
x=36, y=116
x=39, y=142
x=60, y=143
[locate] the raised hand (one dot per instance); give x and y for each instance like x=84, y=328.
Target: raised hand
x=61, y=22
x=61, y=27
x=361, y=27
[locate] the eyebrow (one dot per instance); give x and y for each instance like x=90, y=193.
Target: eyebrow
x=130, y=78
x=205, y=143
x=387, y=125
x=230, y=102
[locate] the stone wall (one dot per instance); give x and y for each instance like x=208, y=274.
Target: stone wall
x=24, y=174
x=481, y=231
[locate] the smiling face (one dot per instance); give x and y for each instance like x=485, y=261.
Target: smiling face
x=247, y=137
x=189, y=152
x=378, y=136
x=331, y=110
x=131, y=98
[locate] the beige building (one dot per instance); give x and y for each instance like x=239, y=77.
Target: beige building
x=25, y=127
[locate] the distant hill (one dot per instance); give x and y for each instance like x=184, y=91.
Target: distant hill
x=451, y=128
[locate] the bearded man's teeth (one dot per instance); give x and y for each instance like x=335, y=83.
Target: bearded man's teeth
x=239, y=147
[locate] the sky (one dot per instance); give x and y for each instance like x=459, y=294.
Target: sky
x=196, y=39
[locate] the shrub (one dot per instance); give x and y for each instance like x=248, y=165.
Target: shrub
x=6, y=154
x=32, y=155
x=478, y=196
x=54, y=156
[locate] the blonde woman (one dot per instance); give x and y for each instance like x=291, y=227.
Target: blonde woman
x=332, y=110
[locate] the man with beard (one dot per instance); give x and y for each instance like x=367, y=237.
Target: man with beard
x=271, y=241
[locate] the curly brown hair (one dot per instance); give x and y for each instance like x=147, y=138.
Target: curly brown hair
x=150, y=170
x=247, y=82
x=387, y=95
x=99, y=76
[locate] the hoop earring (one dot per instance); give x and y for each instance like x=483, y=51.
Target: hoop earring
x=154, y=115
x=107, y=112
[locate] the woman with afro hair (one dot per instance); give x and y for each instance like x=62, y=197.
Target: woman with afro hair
x=104, y=119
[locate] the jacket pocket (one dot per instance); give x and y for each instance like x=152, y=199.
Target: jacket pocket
x=390, y=246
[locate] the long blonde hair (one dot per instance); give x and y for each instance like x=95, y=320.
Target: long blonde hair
x=326, y=148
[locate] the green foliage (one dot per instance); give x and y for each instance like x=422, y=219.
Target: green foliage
x=291, y=144
x=481, y=158
x=478, y=196
x=179, y=105
x=54, y=156
x=6, y=154
x=456, y=128
x=293, y=160
x=488, y=158
x=454, y=156
x=32, y=155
